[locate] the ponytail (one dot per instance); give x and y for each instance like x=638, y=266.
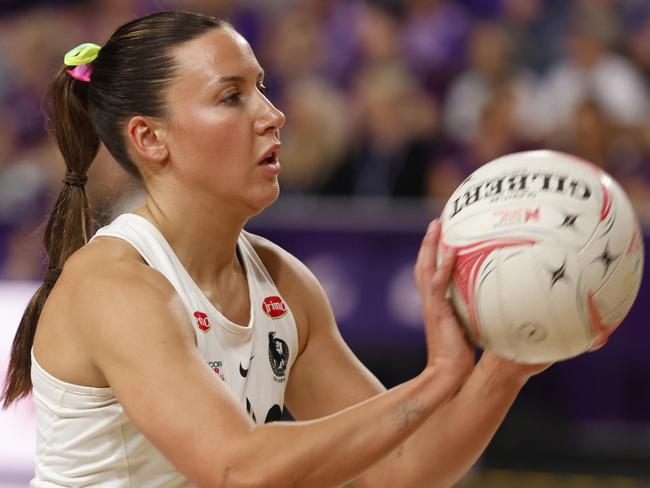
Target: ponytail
x=130, y=76
x=69, y=225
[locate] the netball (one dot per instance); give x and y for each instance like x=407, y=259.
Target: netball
x=550, y=255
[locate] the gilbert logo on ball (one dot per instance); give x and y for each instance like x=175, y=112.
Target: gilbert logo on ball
x=550, y=255
x=274, y=307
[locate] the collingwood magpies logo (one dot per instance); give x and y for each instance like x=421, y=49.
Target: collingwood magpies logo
x=278, y=355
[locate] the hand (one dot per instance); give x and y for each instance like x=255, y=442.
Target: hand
x=447, y=345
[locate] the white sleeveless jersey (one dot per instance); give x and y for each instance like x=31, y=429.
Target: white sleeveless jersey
x=84, y=437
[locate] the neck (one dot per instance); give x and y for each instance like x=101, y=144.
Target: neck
x=205, y=240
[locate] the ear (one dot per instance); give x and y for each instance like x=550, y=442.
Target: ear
x=147, y=138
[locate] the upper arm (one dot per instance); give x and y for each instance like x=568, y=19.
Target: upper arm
x=140, y=337
x=326, y=377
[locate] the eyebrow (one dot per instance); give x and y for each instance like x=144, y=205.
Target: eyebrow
x=237, y=78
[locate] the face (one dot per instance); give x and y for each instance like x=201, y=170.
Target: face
x=222, y=133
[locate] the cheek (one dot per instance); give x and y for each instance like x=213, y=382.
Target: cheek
x=216, y=141
x=229, y=138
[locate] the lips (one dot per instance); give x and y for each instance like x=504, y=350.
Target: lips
x=271, y=156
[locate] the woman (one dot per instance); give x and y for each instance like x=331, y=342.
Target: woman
x=171, y=337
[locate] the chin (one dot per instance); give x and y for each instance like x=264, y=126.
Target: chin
x=265, y=198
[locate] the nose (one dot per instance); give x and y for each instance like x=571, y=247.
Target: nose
x=270, y=118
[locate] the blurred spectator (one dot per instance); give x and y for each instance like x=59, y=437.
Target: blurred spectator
x=498, y=133
x=592, y=135
x=26, y=190
x=29, y=47
x=378, y=32
x=532, y=24
x=387, y=98
x=332, y=39
x=639, y=46
x=592, y=71
x=316, y=135
x=490, y=69
x=293, y=47
x=434, y=34
x=604, y=18
x=395, y=135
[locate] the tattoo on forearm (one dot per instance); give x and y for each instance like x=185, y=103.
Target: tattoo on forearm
x=224, y=480
x=407, y=412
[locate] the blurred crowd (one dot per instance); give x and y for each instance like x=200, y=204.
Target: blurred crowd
x=400, y=98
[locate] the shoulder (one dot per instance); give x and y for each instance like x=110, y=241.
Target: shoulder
x=110, y=278
x=284, y=268
x=107, y=297
x=113, y=263
x=296, y=283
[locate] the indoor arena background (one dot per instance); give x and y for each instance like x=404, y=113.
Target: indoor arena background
x=390, y=105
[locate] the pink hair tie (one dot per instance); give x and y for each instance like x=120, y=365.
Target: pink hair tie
x=81, y=72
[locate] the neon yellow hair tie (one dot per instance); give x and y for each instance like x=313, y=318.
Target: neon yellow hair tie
x=82, y=54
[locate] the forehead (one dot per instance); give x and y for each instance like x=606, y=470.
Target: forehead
x=217, y=53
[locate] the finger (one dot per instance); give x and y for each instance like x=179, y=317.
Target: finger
x=428, y=235
x=442, y=276
x=425, y=264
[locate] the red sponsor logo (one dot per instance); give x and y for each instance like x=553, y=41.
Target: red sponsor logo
x=274, y=307
x=202, y=321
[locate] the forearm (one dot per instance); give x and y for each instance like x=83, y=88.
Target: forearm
x=441, y=451
x=335, y=449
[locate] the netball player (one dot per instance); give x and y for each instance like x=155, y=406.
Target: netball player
x=161, y=349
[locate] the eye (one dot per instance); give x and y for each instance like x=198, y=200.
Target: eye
x=232, y=99
x=262, y=88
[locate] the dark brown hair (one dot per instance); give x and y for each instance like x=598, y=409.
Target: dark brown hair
x=129, y=78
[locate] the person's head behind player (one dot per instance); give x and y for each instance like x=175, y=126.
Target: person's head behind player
x=176, y=98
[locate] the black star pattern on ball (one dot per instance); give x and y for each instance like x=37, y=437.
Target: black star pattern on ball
x=606, y=258
x=569, y=221
x=558, y=274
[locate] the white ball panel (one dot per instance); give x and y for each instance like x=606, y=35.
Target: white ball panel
x=615, y=298
x=488, y=293
x=537, y=320
x=612, y=263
